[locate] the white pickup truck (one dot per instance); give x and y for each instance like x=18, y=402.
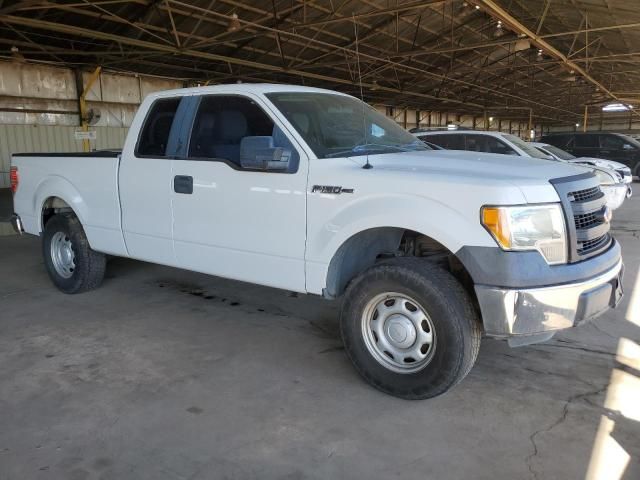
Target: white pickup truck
x=314, y=191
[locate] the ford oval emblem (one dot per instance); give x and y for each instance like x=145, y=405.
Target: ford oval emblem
x=606, y=214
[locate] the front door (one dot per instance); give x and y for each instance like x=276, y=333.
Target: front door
x=239, y=195
x=613, y=147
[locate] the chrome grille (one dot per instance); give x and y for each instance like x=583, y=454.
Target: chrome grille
x=593, y=245
x=584, y=205
x=589, y=225
x=586, y=220
x=586, y=194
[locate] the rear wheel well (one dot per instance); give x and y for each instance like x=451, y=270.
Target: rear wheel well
x=54, y=206
x=368, y=247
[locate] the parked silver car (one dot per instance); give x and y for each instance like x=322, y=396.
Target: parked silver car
x=612, y=183
x=622, y=171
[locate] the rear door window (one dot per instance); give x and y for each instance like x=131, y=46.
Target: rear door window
x=449, y=142
x=488, y=144
x=586, y=141
x=154, y=135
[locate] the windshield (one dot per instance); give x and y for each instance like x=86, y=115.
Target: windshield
x=526, y=147
x=341, y=126
x=558, y=152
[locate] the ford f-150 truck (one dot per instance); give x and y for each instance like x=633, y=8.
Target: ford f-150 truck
x=314, y=191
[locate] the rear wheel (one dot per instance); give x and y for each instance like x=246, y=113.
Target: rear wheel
x=409, y=328
x=71, y=263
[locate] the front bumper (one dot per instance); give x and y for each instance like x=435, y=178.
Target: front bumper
x=615, y=194
x=544, y=310
x=16, y=223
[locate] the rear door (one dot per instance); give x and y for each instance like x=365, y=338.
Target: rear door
x=585, y=145
x=231, y=216
x=145, y=182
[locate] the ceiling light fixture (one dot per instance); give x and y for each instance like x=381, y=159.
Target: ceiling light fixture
x=234, y=23
x=522, y=44
x=616, y=107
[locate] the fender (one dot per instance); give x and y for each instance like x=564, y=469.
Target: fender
x=437, y=220
x=102, y=238
x=56, y=186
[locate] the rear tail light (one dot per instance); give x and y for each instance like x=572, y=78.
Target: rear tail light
x=15, y=180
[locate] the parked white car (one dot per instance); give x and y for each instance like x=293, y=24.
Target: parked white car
x=316, y=192
x=613, y=184
x=613, y=191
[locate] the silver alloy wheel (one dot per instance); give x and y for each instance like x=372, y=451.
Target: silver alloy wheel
x=398, y=332
x=62, y=255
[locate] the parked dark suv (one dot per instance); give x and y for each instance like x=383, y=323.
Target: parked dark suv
x=610, y=146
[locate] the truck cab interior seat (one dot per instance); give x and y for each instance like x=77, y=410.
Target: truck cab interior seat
x=231, y=128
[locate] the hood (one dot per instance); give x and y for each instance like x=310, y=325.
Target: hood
x=509, y=168
x=600, y=162
x=530, y=175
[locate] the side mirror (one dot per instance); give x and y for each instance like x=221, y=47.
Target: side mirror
x=259, y=153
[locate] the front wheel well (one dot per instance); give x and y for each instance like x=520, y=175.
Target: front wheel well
x=368, y=247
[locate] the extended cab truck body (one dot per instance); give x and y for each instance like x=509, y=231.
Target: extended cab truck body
x=314, y=191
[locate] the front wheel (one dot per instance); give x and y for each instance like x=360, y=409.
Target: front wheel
x=71, y=263
x=409, y=328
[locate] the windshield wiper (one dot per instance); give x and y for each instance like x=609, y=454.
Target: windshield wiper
x=362, y=149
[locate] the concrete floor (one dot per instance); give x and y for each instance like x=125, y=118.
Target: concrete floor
x=166, y=374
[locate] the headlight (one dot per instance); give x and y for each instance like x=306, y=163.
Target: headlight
x=534, y=227
x=605, y=178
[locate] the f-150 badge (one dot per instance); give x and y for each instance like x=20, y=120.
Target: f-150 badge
x=330, y=189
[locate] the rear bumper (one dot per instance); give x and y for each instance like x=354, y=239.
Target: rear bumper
x=539, y=311
x=16, y=223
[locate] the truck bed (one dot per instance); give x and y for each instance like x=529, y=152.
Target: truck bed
x=86, y=182
x=98, y=154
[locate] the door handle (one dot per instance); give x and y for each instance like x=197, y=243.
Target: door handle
x=183, y=184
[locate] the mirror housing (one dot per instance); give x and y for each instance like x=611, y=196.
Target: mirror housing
x=258, y=153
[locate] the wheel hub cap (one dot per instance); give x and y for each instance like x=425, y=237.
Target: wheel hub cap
x=398, y=332
x=62, y=255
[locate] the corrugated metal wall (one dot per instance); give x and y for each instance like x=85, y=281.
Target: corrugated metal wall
x=39, y=109
x=50, y=138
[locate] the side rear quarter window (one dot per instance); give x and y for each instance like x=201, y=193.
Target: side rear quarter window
x=154, y=135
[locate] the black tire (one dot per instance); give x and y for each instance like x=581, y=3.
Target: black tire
x=454, y=321
x=635, y=172
x=89, y=268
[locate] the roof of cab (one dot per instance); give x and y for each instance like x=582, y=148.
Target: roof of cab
x=256, y=88
x=461, y=132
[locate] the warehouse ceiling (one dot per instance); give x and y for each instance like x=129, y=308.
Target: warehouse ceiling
x=547, y=57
